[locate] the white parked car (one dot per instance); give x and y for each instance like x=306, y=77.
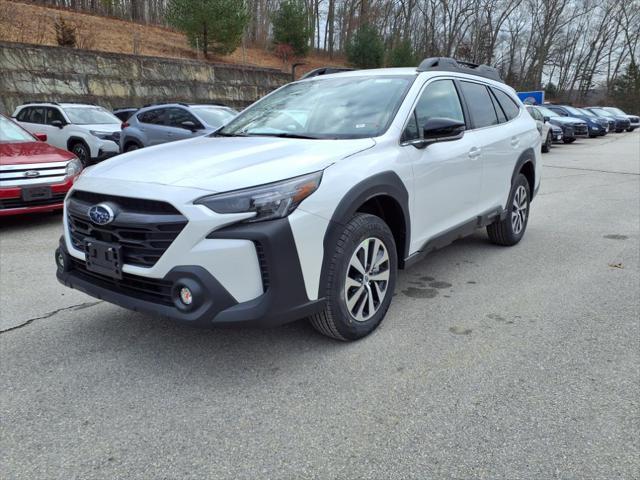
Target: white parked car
x=89, y=131
x=546, y=132
x=309, y=201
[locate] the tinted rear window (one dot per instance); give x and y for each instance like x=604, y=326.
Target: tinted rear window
x=480, y=105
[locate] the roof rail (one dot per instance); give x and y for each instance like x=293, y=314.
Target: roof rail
x=43, y=102
x=165, y=103
x=324, y=71
x=447, y=64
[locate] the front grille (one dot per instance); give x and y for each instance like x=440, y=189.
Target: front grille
x=581, y=128
x=144, y=228
x=6, y=203
x=149, y=289
x=23, y=175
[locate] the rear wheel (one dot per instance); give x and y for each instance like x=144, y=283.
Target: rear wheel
x=360, y=281
x=83, y=153
x=546, y=146
x=130, y=147
x=511, y=230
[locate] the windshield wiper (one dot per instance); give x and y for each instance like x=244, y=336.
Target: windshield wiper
x=285, y=135
x=223, y=134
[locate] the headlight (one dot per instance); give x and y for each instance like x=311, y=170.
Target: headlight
x=104, y=135
x=274, y=200
x=74, y=167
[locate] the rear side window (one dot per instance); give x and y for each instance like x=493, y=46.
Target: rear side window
x=509, y=106
x=502, y=118
x=438, y=100
x=31, y=115
x=52, y=115
x=175, y=117
x=480, y=104
x=154, y=117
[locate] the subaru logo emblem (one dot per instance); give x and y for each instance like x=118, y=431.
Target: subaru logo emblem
x=101, y=214
x=32, y=174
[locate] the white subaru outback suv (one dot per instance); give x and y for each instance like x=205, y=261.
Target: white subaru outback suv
x=89, y=131
x=307, y=203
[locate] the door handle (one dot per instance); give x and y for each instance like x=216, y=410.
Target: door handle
x=474, y=153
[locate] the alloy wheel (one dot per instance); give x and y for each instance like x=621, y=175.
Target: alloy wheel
x=367, y=279
x=519, y=210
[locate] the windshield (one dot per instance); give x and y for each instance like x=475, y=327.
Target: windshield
x=617, y=111
x=340, y=107
x=573, y=111
x=547, y=113
x=10, y=132
x=90, y=116
x=602, y=113
x=215, y=117
x=587, y=112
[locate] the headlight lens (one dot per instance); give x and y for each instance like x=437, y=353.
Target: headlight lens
x=74, y=167
x=274, y=200
x=105, y=135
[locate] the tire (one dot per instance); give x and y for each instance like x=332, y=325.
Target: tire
x=510, y=231
x=344, y=317
x=80, y=150
x=130, y=147
x=631, y=129
x=546, y=146
x=569, y=140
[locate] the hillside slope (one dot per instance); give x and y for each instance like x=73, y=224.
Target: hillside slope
x=26, y=23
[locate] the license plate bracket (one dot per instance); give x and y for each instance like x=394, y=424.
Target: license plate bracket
x=103, y=258
x=33, y=194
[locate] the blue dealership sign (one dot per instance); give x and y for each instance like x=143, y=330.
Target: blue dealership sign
x=532, y=98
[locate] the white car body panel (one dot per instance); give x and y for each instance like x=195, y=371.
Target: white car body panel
x=448, y=184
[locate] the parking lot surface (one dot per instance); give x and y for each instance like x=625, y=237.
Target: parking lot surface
x=493, y=362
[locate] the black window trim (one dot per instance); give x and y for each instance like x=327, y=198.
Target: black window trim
x=492, y=88
x=429, y=81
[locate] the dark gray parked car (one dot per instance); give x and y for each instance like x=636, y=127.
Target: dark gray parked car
x=156, y=124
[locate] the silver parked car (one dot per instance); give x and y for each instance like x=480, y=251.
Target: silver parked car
x=156, y=124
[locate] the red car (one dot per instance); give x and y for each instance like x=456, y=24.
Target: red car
x=34, y=176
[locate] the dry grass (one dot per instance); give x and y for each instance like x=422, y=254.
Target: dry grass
x=28, y=23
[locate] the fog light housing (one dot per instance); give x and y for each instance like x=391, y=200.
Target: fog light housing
x=187, y=294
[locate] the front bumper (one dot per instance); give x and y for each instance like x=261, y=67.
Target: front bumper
x=284, y=298
x=11, y=202
x=104, y=149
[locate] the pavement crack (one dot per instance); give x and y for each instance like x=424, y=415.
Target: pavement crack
x=591, y=170
x=79, y=306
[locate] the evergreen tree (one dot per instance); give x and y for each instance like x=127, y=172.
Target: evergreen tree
x=366, y=49
x=290, y=26
x=626, y=90
x=210, y=25
x=402, y=55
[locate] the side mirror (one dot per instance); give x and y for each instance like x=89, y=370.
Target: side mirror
x=546, y=119
x=439, y=129
x=189, y=125
x=57, y=123
x=42, y=137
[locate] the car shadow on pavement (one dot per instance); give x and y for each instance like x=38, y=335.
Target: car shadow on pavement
x=29, y=221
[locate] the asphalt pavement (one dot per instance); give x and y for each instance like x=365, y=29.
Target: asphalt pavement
x=493, y=362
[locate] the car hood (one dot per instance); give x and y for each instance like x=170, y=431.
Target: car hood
x=24, y=153
x=219, y=164
x=103, y=127
x=567, y=120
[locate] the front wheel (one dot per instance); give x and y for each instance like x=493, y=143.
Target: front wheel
x=511, y=230
x=569, y=140
x=361, y=279
x=83, y=153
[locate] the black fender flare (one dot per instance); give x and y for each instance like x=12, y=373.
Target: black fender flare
x=72, y=140
x=129, y=140
x=381, y=184
x=528, y=156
